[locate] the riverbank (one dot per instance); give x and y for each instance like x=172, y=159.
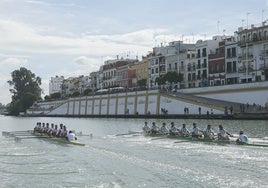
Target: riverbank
x=242, y=116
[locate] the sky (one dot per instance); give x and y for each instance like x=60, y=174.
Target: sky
x=74, y=37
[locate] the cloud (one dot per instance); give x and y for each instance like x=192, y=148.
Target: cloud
x=14, y=61
x=20, y=37
x=92, y=64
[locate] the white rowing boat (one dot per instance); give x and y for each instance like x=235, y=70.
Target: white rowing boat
x=195, y=139
x=57, y=139
x=29, y=134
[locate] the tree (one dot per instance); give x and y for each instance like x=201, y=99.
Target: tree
x=52, y=96
x=161, y=80
x=87, y=91
x=173, y=77
x=142, y=82
x=25, y=89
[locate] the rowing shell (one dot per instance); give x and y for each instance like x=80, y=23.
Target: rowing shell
x=216, y=141
x=61, y=140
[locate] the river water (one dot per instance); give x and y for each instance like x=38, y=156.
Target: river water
x=110, y=161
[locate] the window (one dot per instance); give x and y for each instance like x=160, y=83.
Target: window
x=189, y=77
x=234, y=66
x=156, y=70
x=204, y=52
x=176, y=66
x=229, y=67
x=228, y=52
x=205, y=63
x=233, y=52
x=152, y=71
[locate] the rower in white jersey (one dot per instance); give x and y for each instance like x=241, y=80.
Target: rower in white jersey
x=154, y=129
x=208, y=133
x=64, y=133
x=71, y=136
x=163, y=129
x=37, y=127
x=173, y=129
x=184, y=131
x=55, y=130
x=196, y=132
x=223, y=134
x=60, y=130
x=146, y=128
x=242, y=139
x=50, y=130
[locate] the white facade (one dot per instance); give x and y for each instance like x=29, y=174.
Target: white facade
x=55, y=84
x=232, y=64
x=203, y=48
x=253, y=42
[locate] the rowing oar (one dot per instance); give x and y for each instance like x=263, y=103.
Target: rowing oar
x=30, y=137
x=182, y=141
x=5, y=133
x=160, y=138
x=127, y=133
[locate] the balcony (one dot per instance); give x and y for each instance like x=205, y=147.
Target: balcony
x=264, y=53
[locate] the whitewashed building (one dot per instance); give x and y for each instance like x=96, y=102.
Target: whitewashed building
x=203, y=49
x=55, y=84
x=253, y=42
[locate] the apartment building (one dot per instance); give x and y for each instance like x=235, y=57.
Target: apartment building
x=203, y=49
x=231, y=61
x=253, y=43
x=55, y=84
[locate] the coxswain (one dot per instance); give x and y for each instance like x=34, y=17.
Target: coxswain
x=154, y=129
x=242, y=139
x=196, y=132
x=71, y=136
x=184, y=131
x=208, y=133
x=163, y=129
x=223, y=134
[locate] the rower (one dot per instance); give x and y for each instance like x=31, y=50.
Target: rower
x=208, y=133
x=42, y=129
x=58, y=134
x=51, y=129
x=163, y=129
x=37, y=127
x=242, y=139
x=154, y=129
x=55, y=130
x=146, y=128
x=173, y=130
x=184, y=131
x=64, y=132
x=46, y=129
x=71, y=136
x=196, y=132
x=223, y=134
